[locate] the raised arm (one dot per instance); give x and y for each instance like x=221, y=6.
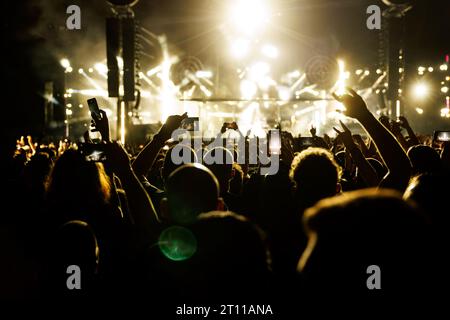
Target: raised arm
x=145, y=159
x=141, y=207
x=368, y=173
x=397, y=132
x=362, y=145
x=393, y=155
x=412, y=136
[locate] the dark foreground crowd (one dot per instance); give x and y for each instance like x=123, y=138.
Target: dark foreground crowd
x=352, y=218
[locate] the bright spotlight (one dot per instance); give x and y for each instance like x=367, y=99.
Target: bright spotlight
x=265, y=82
x=444, y=89
x=419, y=110
x=65, y=63
x=341, y=82
x=259, y=70
x=240, y=48
x=443, y=67
x=120, y=62
x=284, y=93
x=430, y=69
x=421, y=90
x=203, y=74
x=248, y=89
x=269, y=51
x=294, y=74
x=80, y=71
x=101, y=68
x=249, y=16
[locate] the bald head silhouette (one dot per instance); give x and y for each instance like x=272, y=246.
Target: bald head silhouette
x=191, y=189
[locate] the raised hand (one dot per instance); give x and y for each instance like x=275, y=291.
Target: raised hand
x=403, y=122
x=361, y=144
x=355, y=107
x=412, y=136
x=385, y=121
x=31, y=144
x=173, y=122
x=224, y=127
x=345, y=135
x=393, y=155
x=313, y=131
x=395, y=128
x=101, y=125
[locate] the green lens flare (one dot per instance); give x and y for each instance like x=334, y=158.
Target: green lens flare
x=177, y=243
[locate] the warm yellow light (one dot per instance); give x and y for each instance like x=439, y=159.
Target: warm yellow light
x=120, y=62
x=284, y=93
x=269, y=51
x=65, y=63
x=240, y=48
x=101, y=68
x=397, y=108
x=421, y=90
x=248, y=89
x=259, y=70
x=443, y=67
x=122, y=122
x=203, y=74
x=249, y=16
x=341, y=82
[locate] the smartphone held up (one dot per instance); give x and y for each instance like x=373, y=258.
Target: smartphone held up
x=94, y=109
x=191, y=124
x=93, y=152
x=441, y=136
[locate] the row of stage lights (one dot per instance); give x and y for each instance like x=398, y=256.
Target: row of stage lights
x=257, y=77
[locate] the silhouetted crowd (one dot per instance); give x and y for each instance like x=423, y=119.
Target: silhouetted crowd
x=143, y=227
